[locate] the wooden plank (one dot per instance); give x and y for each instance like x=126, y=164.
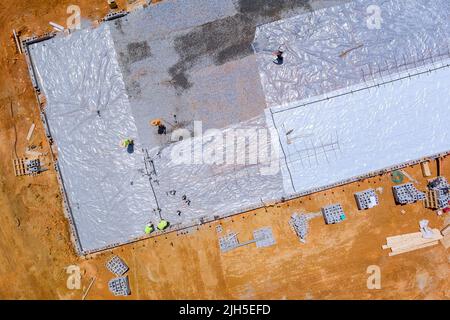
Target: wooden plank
x=89, y=288
x=414, y=244
x=392, y=241
x=411, y=242
x=402, y=238
x=436, y=236
x=413, y=249
x=445, y=241
x=446, y=230
x=426, y=172
x=30, y=132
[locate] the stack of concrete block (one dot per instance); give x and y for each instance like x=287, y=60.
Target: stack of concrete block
x=117, y=266
x=407, y=193
x=300, y=225
x=440, y=189
x=366, y=199
x=333, y=214
x=33, y=166
x=120, y=286
x=445, y=241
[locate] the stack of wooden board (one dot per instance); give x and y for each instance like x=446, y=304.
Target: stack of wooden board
x=446, y=236
x=410, y=242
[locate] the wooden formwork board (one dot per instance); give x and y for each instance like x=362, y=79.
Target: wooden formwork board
x=19, y=166
x=410, y=242
x=428, y=244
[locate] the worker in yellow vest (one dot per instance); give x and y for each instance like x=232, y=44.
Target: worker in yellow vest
x=149, y=228
x=162, y=225
x=127, y=142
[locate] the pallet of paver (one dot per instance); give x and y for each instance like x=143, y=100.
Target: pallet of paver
x=407, y=193
x=117, y=266
x=120, y=286
x=333, y=214
x=366, y=199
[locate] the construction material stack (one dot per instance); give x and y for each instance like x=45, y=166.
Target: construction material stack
x=117, y=266
x=300, y=225
x=366, y=199
x=119, y=286
x=438, y=197
x=413, y=241
x=333, y=214
x=445, y=241
x=407, y=193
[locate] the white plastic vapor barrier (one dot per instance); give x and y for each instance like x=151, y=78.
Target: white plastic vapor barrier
x=339, y=46
x=358, y=130
x=88, y=115
x=106, y=84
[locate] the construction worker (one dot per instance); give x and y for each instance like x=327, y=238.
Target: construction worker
x=162, y=225
x=279, y=57
x=161, y=127
x=149, y=228
x=127, y=142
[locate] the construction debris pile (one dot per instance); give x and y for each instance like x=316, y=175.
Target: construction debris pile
x=299, y=222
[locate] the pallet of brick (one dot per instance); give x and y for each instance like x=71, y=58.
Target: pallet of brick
x=366, y=199
x=410, y=242
x=119, y=286
x=407, y=193
x=333, y=214
x=117, y=266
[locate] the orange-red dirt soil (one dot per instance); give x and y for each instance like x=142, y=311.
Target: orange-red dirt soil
x=35, y=247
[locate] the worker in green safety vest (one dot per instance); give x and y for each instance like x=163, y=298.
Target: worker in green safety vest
x=149, y=228
x=163, y=224
x=127, y=142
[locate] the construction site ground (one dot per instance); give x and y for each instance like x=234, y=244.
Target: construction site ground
x=35, y=247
